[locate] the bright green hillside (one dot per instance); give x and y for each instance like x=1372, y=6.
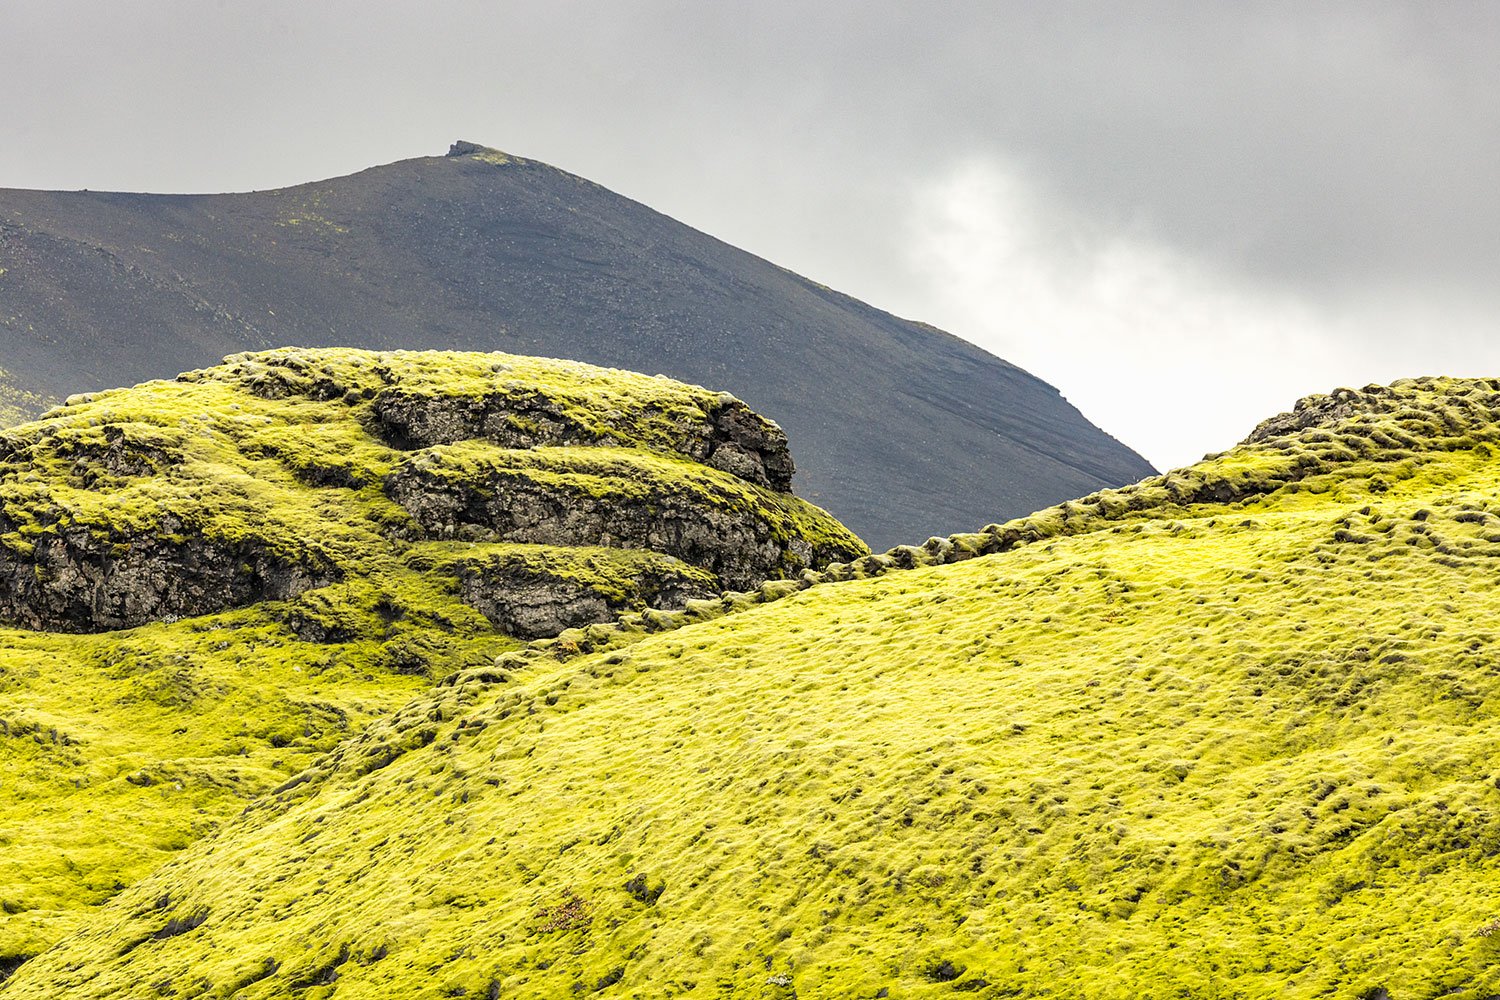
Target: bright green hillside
x=1229, y=733
x=120, y=749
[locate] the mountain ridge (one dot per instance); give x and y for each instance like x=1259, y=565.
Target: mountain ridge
x=904, y=431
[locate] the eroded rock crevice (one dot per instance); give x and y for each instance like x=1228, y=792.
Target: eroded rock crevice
x=733, y=541
x=76, y=580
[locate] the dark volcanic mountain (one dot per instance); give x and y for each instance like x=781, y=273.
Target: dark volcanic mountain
x=901, y=430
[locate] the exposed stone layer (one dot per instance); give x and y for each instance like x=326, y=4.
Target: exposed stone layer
x=730, y=437
x=740, y=543
x=531, y=605
x=77, y=581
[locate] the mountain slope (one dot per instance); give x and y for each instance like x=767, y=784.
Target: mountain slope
x=903, y=431
x=1228, y=732
x=242, y=567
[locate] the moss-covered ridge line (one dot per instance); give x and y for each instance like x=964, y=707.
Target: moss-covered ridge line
x=1241, y=747
x=416, y=399
x=1363, y=451
x=1355, y=439
x=282, y=472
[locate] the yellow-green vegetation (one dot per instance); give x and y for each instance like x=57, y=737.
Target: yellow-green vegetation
x=238, y=524
x=119, y=750
x=1229, y=732
x=282, y=472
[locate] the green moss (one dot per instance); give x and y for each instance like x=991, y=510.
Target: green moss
x=614, y=574
x=119, y=750
x=1150, y=744
x=1229, y=732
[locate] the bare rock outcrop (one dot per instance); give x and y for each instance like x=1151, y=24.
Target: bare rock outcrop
x=730, y=437
x=740, y=543
x=532, y=605
x=76, y=579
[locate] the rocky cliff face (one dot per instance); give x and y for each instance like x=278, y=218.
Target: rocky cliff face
x=621, y=498
x=532, y=593
x=277, y=474
x=75, y=580
x=729, y=436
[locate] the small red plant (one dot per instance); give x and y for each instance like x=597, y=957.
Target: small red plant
x=573, y=911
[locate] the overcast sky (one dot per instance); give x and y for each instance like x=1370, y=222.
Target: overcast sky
x=1183, y=215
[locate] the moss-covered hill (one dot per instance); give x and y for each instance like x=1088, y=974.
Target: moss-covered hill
x=1229, y=732
x=205, y=583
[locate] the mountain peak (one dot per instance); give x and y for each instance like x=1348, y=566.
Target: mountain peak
x=903, y=432
x=485, y=154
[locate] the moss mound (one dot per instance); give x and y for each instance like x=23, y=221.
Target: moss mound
x=280, y=473
x=213, y=580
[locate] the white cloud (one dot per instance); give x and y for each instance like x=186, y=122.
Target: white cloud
x=1170, y=357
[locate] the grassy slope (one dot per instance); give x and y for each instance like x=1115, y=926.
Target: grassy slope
x=1154, y=745
x=118, y=750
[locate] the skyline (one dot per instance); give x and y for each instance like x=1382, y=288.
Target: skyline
x=1184, y=218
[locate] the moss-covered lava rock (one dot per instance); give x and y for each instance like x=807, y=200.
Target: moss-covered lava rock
x=282, y=472
x=207, y=582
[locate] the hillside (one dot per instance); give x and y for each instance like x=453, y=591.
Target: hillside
x=207, y=582
x=902, y=431
x=1227, y=732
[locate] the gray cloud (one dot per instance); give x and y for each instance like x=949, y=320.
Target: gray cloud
x=1335, y=162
